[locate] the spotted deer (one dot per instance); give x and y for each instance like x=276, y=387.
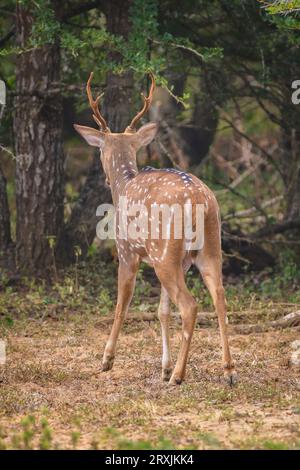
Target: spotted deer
x=170, y=258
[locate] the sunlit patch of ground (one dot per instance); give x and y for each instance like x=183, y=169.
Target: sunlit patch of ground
x=53, y=395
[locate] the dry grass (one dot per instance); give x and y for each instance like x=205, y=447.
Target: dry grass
x=53, y=374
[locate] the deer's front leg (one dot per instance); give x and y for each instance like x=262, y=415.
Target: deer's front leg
x=126, y=283
x=164, y=317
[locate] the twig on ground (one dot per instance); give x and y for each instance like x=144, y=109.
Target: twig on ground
x=203, y=318
x=289, y=320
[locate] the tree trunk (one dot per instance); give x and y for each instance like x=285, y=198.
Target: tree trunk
x=6, y=244
x=117, y=109
x=5, y=236
x=199, y=134
x=39, y=150
x=119, y=89
x=80, y=231
x=193, y=139
x=290, y=146
x=290, y=153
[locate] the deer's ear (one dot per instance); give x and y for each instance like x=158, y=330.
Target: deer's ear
x=147, y=133
x=92, y=136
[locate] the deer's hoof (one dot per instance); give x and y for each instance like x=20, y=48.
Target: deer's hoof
x=175, y=380
x=166, y=374
x=107, y=364
x=231, y=377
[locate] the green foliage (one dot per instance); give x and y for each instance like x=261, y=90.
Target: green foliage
x=46, y=435
x=31, y=429
x=210, y=440
x=45, y=27
x=276, y=7
x=274, y=445
x=147, y=47
x=199, y=292
x=75, y=436
x=286, y=279
x=142, y=289
x=161, y=444
x=285, y=16
x=28, y=425
x=136, y=52
x=105, y=303
x=122, y=443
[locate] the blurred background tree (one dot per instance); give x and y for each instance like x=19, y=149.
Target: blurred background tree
x=225, y=71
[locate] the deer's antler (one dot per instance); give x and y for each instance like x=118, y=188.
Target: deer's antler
x=94, y=104
x=147, y=104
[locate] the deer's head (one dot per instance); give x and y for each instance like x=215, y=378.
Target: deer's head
x=111, y=143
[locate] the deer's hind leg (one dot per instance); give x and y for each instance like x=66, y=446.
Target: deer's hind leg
x=210, y=266
x=164, y=313
x=164, y=318
x=173, y=282
x=126, y=282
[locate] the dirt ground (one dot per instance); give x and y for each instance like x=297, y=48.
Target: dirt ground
x=53, y=395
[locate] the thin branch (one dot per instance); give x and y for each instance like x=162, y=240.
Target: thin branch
x=289, y=320
x=240, y=195
x=255, y=144
x=274, y=229
x=182, y=47
x=252, y=210
x=9, y=152
x=240, y=179
x=253, y=89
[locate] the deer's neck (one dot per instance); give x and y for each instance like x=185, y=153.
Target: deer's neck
x=122, y=169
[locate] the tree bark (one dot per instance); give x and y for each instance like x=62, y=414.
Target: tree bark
x=290, y=153
x=119, y=89
x=5, y=236
x=80, y=230
x=290, y=144
x=6, y=244
x=199, y=134
x=39, y=150
x=117, y=107
x=193, y=139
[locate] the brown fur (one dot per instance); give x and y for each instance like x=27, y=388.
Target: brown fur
x=170, y=259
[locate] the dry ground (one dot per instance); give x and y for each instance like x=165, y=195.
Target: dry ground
x=52, y=393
